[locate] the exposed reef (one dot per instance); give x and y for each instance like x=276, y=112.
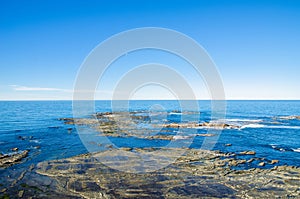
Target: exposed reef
x=196, y=174
x=143, y=125
x=12, y=158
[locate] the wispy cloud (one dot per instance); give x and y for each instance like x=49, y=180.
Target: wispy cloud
x=26, y=88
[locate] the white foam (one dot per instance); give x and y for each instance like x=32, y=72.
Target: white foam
x=296, y=150
x=269, y=127
x=253, y=126
x=35, y=141
x=200, y=127
x=174, y=113
x=243, y=120
x=180, y=137
x=283, y=127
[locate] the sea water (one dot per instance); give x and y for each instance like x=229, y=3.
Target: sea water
x=35, y=126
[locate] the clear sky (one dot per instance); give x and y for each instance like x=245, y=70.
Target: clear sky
x=255, y=44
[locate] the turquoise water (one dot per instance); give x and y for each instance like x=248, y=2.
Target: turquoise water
x=35, y=125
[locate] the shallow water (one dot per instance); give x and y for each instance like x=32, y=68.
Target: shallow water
x=35, y=125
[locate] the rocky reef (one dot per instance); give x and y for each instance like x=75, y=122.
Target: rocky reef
x=123, y=124
x=217, y=125
x=12, y=158
x=196, y=174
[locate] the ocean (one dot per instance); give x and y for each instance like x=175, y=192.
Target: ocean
x=266, y=127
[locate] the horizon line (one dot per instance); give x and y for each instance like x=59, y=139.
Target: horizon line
x=7, y=100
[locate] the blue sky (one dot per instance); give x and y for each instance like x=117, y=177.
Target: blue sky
x=255, y=44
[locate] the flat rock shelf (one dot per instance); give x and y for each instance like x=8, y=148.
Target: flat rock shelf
x=196, y=174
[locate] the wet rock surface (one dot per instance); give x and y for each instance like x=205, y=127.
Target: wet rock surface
x=196, y=174
x=12, y=158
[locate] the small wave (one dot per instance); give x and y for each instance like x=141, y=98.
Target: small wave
x=243, y=120
x=291, y=117
x=253, y=126
x=283, y=148
x=269, y=126
x=35, y=141
x=175, y=113
x=278, y=148
x=180, y=137
x=291, y=127
x=283, y=127
x=296, y=150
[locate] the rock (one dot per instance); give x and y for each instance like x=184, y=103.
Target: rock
x=204, y=124
x=160, y=137
x=124, y=124
x=220, y=163
x=250, y=160
x=70, y=130
x=126, y=148
x=79, y=121
x=237, y=162
x=20, y=194
x=3, y=190
x=274, y=161
x=3, y=155
x=172, y=125
x=261, y=164
x=13, y=158
x=196, y=174
x=21, y=138
x=247, y=153
x=218, y=125
x=15, y=149
x=242, y=161
x=228, y=144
